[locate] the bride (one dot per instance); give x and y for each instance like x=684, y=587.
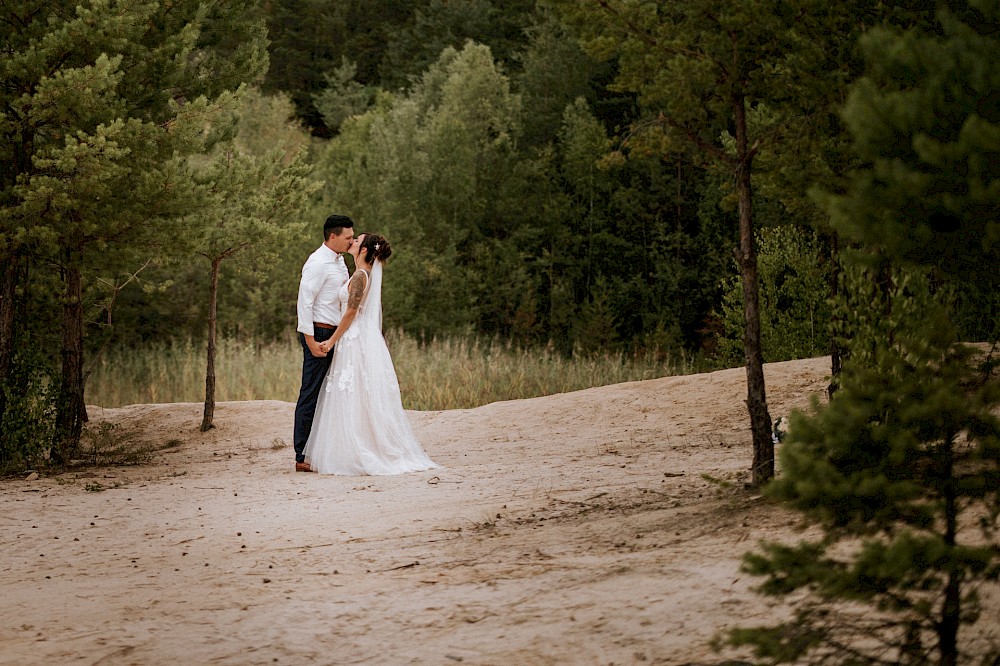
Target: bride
x=360, y=426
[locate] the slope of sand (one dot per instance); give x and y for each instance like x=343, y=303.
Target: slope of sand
x=575, y=528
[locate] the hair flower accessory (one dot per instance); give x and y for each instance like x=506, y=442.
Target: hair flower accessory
x=376, y=247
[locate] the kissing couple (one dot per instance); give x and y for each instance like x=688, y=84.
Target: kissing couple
x=349, y=417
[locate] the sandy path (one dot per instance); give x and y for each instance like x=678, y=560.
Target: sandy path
x=575, y=528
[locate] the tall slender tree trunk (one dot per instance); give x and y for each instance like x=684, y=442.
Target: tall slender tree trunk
x=71, y=411
x=836, y=279
x=760, y=420
x=213, y=300
x=8, y=289
x=951, y=608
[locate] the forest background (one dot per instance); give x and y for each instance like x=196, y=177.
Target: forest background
x=722, y=182
x=516, y=154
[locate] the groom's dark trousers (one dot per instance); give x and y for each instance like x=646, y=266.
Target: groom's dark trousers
x=313, y=371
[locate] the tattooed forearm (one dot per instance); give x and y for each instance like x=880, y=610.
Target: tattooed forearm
x=356, y=290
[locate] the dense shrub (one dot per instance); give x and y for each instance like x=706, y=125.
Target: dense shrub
x=28, y=422
x=794, y=304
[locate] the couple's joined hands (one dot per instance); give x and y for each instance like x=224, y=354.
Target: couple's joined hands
x=321, y=349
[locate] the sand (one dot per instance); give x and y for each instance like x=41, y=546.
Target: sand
x=596, y=527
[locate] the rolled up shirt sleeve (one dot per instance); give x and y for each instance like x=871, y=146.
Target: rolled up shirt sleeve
x=309, y=287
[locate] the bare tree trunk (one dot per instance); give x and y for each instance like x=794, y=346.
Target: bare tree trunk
x=760, y=419
x=8, y=285
x=951, y=609
x=836, y=353
x=71, y=411
x=213, y=299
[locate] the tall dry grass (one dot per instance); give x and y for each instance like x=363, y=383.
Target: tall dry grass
x=441, y=374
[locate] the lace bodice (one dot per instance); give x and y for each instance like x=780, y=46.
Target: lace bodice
x=345, y=291
x=360, y=320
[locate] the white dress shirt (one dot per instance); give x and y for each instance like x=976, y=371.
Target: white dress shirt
x=323, y=274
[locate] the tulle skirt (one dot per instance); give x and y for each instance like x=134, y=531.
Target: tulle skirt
x=360, y=426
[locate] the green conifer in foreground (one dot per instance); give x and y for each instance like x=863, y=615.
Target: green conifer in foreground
x=901, y=473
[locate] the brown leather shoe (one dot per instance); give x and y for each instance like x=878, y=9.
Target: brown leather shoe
x=303, y=467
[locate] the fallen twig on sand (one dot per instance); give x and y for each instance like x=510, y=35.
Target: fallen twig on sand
x=401, y=566
x=434, y=480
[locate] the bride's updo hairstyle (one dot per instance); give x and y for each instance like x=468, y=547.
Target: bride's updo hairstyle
x=376, y=248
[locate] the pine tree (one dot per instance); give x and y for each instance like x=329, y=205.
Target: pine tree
x=307, y=41
x=925, y=121
x=700, y=68
x=249, y=207
x=436, y=25
x=102, y=104
x=901, y=471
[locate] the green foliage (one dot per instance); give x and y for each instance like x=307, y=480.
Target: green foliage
x=490, y=165
x=554, y=71
x=583, y=141
x=466, y=191
x=267, y=123
x=504, y=307
x=907, y=447
x=28, y=424
x=901, y=470
x=258, y=211
x=823, y=60
x=440, y=171
x=437, y=25
x=320, y=49
x=308, y=40
x=551, y=209
x=705, y=71
x=862, y=318
x=926, y=123
x=687, y=68
x=596, y=326
x=423, y=169
x=248, y=203
x=103, y=105
x=343, y=96
x=794, y=299
x=976, y=307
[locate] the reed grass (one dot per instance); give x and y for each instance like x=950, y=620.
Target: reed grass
x=435, y=375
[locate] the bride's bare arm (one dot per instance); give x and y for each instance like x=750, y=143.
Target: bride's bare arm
x=355, y=292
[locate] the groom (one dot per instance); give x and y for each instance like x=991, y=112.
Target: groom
x=323, y=274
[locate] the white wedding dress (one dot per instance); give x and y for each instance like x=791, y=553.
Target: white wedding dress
x=360, y=426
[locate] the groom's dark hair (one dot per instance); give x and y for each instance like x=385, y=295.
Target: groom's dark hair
x=336, y=224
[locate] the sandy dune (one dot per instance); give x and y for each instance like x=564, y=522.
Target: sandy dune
x=575, y=528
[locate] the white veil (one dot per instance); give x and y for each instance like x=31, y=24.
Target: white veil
x=372, y=307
